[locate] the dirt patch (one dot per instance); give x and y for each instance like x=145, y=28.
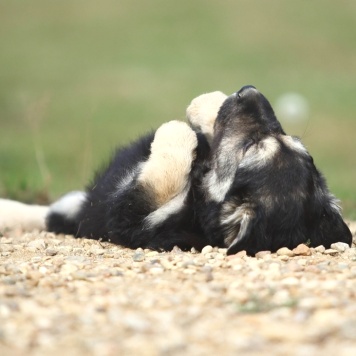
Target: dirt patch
x=60, y=295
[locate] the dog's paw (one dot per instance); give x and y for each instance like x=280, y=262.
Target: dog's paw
x=166, y=172
x=202, y=112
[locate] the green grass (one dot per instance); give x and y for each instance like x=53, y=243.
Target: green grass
x=83, y=76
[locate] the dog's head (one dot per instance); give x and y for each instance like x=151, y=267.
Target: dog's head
x=264, y=185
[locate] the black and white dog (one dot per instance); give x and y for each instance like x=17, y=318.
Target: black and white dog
x=235, y=180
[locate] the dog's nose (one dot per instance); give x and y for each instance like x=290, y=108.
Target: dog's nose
x=246, y=90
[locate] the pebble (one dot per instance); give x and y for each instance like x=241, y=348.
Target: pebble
x=340, y=246
x=68, y=268
x=152, y=254
x=98, y=251
x=70, y=297
x=6, y=240
x=240, y=254
x=51, y=252
x=156, y=270
x=207, y=249
x=138, y=256
x=262, y=254
x=285, y=251
x=290, y=281
x=6, y=248
x=166, y=264
x=38, y=244
x=302, y=250
x=331, y=251
x=284, y=258
x=320, y=249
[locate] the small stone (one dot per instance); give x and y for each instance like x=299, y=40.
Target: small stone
x=241, y=254
x=69, y=268
x=6, y=248
x=302, y=262
x=43, y=270
x=138, y=257
x=38, y=244
x=51, y=252
x=166, y=264
x=290, y=281
x=320, y=249
x=152, y=254
x=207, y=249
x=285, y=251
x=6, y=240
x=156, y=270
x=340, y=246
x=262, y=254
x=188, y=263
x=80, y=275
x=135, y=322
x=309, y=303
x=331, y=251
x=177, y=250
x=189, y=271
x=302, y=250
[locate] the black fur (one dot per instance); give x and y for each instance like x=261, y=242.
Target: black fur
x=275, y=196
x=119, y=216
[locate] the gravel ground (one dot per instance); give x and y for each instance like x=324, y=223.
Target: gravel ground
x=60, y=295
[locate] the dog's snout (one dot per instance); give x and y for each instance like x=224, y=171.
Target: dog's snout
x=246, y=90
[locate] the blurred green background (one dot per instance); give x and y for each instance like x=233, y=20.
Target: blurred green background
x=79, y=77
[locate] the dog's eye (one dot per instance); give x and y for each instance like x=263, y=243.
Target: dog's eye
x=248, y=145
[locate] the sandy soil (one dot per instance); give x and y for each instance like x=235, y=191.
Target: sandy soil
x=60, y=295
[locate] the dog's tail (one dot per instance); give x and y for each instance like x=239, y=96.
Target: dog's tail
x=14, y=214
x=62, y=216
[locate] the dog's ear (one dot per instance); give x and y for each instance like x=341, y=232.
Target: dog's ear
x=329, y=228
x=244, y=231
x=325, y=219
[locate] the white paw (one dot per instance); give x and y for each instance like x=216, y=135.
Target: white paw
x=172, y=154
x=202, y=112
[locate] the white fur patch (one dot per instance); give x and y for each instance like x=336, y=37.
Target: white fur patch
x=294, y=144
x=217, y=187
x=219, y=180
x=259, y=155
x=170, y=208
x=202, y=112
x=244, y=222
x=167, y=169
x=236, y=219
x=69, y=205
x=123, y=184
x=14, y=214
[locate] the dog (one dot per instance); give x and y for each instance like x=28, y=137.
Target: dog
x=262, y=190
x=232, y=178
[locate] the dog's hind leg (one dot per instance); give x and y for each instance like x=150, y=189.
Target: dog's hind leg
x=166, y=172
x=151, y=211
x=14, y=214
